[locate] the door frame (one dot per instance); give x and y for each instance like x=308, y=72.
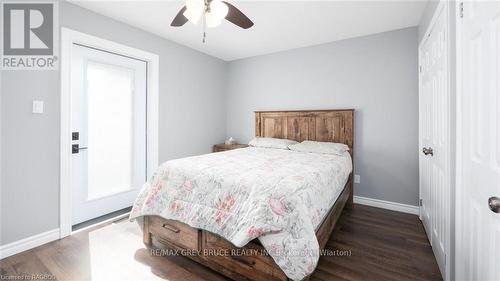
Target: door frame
x=443, y=6
x=460, y=258
x=68, y=38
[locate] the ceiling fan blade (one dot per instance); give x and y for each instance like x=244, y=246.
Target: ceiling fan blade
x=237, y=17
x=179, y=19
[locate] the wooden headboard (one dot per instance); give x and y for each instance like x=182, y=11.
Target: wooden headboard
x=317, y=125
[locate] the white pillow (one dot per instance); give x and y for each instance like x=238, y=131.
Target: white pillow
x=271, y=143
x=320, y=147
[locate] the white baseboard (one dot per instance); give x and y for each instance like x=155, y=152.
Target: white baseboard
x=28, y=243
x=393, y=206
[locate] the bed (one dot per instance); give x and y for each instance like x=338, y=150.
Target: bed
x=254, y=213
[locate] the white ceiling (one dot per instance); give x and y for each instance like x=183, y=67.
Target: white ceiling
x=279, y=25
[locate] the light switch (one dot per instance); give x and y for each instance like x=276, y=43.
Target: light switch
x=357, y=179
x=37, y=106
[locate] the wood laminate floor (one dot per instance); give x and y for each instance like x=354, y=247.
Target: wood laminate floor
x=372, y=244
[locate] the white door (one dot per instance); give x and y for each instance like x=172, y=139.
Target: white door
x=434, y=137
x=478, y=246
x=108, y=119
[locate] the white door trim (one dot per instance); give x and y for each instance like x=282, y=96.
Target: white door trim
x=68, y=38
x=459, y=190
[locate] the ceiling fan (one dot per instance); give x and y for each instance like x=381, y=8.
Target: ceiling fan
x=212, y=12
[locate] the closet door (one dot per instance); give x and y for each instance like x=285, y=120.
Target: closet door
x=478, y=188
x=434, y=137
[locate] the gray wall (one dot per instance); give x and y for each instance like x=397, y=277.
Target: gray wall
x=192, y=91
x=376, y=75
x=30, y=154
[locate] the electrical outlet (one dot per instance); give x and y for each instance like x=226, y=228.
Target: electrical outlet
x=357, y=179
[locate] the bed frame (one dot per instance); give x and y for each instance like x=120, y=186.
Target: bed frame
x=214, y=251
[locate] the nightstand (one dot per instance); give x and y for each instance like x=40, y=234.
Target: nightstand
x=224, y=147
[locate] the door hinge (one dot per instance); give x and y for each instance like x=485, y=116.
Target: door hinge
x=445, y=259
x=420, y=202
x=461, y=9
x=420, y=68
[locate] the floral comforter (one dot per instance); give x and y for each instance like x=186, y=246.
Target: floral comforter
x=280, y=196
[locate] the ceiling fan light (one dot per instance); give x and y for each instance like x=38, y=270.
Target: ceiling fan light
x=218, y=9
x=194, y=8
x=212, y=20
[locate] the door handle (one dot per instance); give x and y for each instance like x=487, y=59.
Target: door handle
x=75, y=148
x=428, y=151
x=494, y=204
